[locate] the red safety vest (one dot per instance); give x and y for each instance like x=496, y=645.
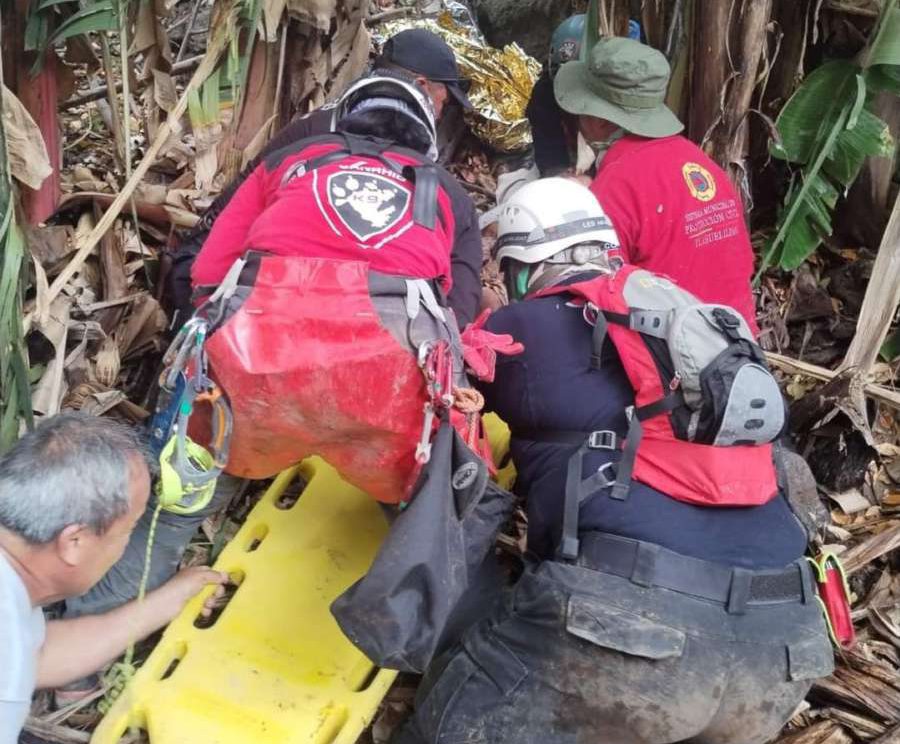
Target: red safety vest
x=703, y=474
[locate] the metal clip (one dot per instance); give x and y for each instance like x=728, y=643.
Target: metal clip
x=423, y=448
x=423, y=352
x=590, y=313
x=608, y=471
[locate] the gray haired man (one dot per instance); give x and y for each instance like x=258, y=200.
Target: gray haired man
x=70, y=494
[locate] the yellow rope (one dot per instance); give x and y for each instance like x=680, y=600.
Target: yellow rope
x=121, y=673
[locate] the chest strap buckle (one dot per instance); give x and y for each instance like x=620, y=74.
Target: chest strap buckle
x=602, y=440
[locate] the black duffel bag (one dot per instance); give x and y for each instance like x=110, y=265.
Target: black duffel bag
x=399, y=613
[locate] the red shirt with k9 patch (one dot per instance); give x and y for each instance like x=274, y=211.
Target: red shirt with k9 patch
x=676, y=213
x=356, y=208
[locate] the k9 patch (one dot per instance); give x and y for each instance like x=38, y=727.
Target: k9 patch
x=367, y=204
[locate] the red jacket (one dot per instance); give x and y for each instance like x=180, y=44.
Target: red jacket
x=356, y=209
x=676, y=213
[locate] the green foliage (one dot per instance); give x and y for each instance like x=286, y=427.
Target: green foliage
x=827, y=128
x=228, y=82
x=591, y=28
x=890, y=349
x=203, y=104
x=15, y=391
x=53, y=21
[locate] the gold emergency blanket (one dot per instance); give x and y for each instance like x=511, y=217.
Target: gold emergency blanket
x=501, y=80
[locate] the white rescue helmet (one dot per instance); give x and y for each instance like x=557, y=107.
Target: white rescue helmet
x=393, y=91
x=551, y=228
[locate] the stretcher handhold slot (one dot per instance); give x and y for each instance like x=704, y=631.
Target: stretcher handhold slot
x=291, y=495
x=178, y=652
x=134, y=736
x=236, y=578
x=134, y=731
x=256, y=537
x=366, y=680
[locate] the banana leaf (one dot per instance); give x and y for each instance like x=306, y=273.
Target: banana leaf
x=882, y=65
x=885, y=47
x=98, y=16
x=43, y=28
x=828, y=130
x=204, y=104
x=812, y=111
x=15, y=393
x=810, y=202
x=890, y=349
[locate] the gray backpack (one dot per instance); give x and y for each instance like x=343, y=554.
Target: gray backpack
x=698, y=375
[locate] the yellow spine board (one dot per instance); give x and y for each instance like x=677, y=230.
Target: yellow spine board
x=274, y=667
x=498, y=435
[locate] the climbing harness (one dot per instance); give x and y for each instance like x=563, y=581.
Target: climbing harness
x=188, y=471
x=442, y=397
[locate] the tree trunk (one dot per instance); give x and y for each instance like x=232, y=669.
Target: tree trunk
x=654, y=19
x=728, y=142
x=787, y=50
x=880, y=303
x=709, y=66
x=39, y=96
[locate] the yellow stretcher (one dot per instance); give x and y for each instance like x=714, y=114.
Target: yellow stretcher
x=274, y=667
x=498, y=434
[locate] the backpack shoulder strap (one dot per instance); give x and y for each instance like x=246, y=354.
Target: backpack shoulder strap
x=353, y=145
x=423, y=176
x=274, y=159
x=425, y=202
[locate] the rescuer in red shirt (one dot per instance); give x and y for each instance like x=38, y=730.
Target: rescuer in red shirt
x=674, y=209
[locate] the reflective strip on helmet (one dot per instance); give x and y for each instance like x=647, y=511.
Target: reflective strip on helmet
x=539, y=235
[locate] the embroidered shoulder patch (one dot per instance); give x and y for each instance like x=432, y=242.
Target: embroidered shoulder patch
x=700, y=182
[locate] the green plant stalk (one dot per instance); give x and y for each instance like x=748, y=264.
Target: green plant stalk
x=126, y=110
x=112, y=98
x=126, y=82
x=799, y=200
x=15, y=390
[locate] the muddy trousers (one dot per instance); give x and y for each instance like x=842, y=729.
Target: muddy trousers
x=173, y=533
x=579, y=656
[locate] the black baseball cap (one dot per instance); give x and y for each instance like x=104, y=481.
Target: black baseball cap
x=426, y=54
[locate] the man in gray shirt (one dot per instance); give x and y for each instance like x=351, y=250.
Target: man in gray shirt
x=70, y=494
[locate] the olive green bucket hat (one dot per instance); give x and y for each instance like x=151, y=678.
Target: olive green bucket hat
x=622, y=81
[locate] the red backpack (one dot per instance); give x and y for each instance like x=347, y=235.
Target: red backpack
x=706, y=406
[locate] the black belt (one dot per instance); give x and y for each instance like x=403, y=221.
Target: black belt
x=651, y=565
